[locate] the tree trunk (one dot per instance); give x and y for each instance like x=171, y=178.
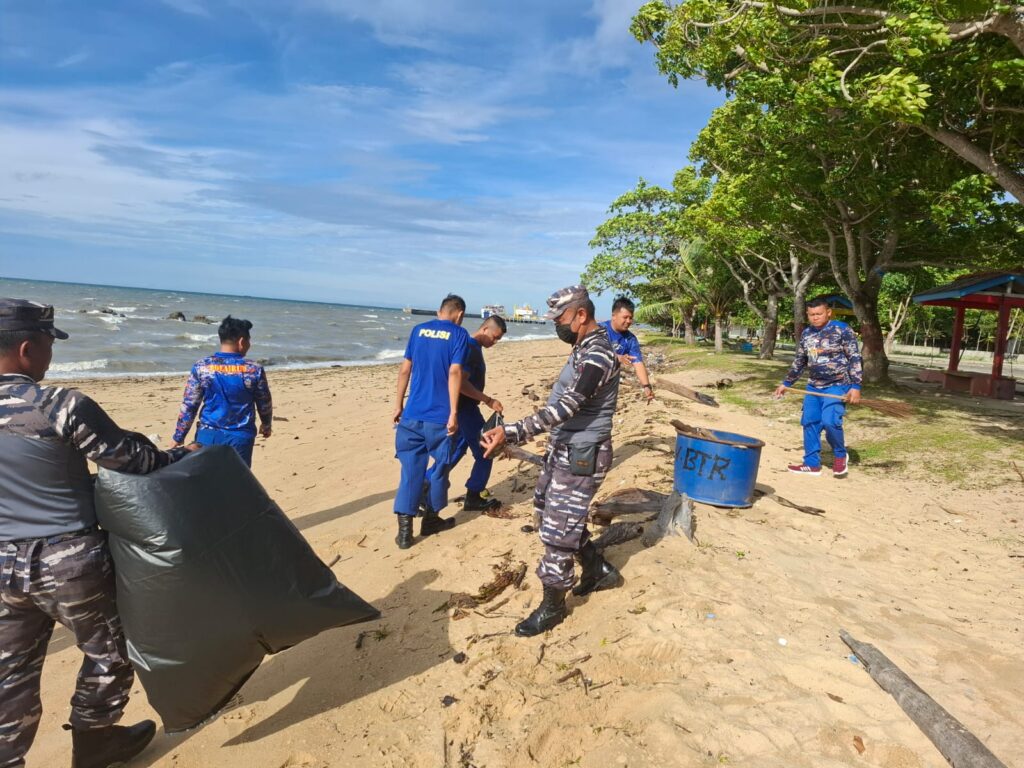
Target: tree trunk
x=799, y=311
x=771, y=328
x=691, y=336
x=719, y=334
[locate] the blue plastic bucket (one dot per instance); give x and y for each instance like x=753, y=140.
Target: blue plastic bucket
x=718, y=468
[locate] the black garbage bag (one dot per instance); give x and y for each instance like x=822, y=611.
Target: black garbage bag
x=211, y=576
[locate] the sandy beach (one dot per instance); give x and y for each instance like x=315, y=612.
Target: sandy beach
x=726, y=652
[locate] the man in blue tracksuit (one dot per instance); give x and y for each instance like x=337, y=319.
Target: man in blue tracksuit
x=230, y=389
x=828, y=348
x=427, y=425
x=471, y=421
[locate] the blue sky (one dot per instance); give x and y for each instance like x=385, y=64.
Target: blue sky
x=336, y=150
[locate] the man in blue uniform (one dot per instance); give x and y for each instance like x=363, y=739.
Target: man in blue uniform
x=471, y=421
x=54, y=561
x=230, y=389
x=626, y=344
x=427, y=425
x=828, y=349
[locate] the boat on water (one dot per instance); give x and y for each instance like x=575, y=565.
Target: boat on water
x=523, y=314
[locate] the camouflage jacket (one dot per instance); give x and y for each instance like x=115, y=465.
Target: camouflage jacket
x=582, y=402
x=831, y=355
x=46, y=435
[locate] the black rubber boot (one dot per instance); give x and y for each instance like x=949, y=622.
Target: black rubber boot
x=597, y=574
x=110, y=746
x=404, y=537
x=550, y=613
x=434, y=523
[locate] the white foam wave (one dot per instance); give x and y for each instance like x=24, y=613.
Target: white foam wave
x=122, y=309
x=374, y=317
x=531, y=337
x=389, y=354
x=82, y=365
x=114, y=319
x=200, y=337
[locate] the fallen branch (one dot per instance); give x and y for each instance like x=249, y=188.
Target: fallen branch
x=690, y=394
x=958, y=745
x=758, y=493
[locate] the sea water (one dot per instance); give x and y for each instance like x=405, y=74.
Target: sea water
x=127, y=331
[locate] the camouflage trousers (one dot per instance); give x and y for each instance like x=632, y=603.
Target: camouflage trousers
x=561, y=502
x=69, y=579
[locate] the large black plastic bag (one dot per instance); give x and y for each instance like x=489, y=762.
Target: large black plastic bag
x=211, y=576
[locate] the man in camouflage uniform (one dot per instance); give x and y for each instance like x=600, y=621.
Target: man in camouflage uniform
x=828, y=349
x=579, y=416
x=54, y=563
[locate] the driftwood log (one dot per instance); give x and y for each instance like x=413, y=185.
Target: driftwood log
x=958, y=745
x=690, y=394
x=676, y=518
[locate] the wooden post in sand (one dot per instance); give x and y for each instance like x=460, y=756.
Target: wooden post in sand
x=958, y=745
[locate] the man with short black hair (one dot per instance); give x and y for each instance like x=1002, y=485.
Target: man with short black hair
x=626, y=344
x=828, y=349
x=230, y=389
x=427, y=425
x=54, y=562
x=471, y=421
x=579, y=416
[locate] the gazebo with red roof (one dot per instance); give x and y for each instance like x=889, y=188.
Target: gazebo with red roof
x=996, y=291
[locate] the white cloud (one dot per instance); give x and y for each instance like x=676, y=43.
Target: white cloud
x=73, y=59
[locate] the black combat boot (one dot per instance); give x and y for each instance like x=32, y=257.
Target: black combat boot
x=597, y=574
x=550, y=613
x=110, y=746
x=477, y=502
x=404, y=537
x=434, y=523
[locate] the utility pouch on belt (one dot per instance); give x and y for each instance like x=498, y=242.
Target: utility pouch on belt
x=583, y=458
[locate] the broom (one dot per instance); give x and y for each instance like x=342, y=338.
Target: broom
x=892, y=408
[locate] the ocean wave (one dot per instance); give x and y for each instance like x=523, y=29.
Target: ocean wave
x=82, y=365
x=374, y=317
x=122, y=309
x=389, y=354
x=208, y=337
x=113, y=319
x=531, y=337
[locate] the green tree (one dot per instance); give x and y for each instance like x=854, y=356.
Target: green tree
x=951, y=70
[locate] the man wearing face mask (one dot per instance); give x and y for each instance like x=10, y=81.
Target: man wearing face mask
x=579, y=416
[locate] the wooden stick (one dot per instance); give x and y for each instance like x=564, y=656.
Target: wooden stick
x=691, y=394
x=958, y=745
x=887, y=407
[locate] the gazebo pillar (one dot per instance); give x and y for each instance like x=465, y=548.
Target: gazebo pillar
x=954, y=346
x=1002, y=331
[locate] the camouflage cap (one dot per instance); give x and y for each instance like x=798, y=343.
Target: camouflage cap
x=23, y=315
x=563, y=298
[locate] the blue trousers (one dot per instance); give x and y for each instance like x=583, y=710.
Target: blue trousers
x=242, y=442
x=471, y=422
x=823, y=413
x=416, y=443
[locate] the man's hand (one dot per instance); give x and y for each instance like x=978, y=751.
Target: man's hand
x=191, y=447
x=648, y=392
x=177, y=443
x=492, y=440
x=853, y=396
x=453, y=424
x=266, y=430
x=397, y=415
x=496, y=405
x=780, y=391
x=626, y=360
